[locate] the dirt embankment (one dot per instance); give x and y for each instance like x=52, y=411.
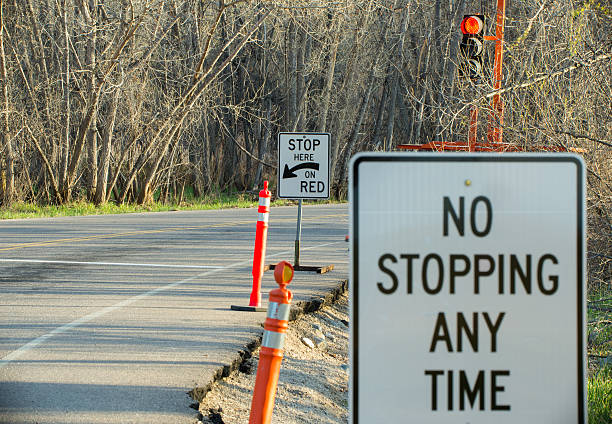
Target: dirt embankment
x=313, y=382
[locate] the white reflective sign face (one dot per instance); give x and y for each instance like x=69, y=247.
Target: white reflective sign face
x=467, y=289
x=303, y=165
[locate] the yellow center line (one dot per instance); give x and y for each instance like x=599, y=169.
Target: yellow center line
x=163, y=230
x=115, y=235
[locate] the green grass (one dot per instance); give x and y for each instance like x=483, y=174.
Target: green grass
x=78, y=208
x=599, y=328
x=599, y=385
x=600, y=397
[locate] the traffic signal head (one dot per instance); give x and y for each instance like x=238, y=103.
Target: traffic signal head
x=472, y=24
x=472, y=47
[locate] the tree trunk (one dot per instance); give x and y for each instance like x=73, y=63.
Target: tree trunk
x=303, y=54
x=356, y=128
x=65, y=151
x=8, y=174
x=396, y=80
x=291, y=77
x=388, y=145
x=107, y=137
x=339, y=118
x=449, y=69
x=263, y=148
x=422, y=75
x=264, y=124
x=248, y=145
x=377, y=139
x=90, y=63
x=329, y=78
x=206, y=152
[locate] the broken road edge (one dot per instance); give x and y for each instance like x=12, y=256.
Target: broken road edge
x=298, y=309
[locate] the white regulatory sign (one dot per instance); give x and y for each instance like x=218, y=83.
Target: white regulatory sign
x=303, y=165
x=467, y=288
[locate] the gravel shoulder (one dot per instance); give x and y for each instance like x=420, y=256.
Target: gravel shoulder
x=313, y=381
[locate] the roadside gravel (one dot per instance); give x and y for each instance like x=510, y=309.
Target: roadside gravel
x=313, y=381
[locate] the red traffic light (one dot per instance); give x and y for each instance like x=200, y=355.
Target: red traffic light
x=471, y=25
x=472, y=47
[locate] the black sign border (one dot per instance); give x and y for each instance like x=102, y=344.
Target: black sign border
x=420, y=157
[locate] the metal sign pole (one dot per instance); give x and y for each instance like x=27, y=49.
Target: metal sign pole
x=298, y=235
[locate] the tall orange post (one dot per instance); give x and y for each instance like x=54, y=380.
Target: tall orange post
x=496, y=117
x=261, y=237
x=473, y=130
x=272, y=344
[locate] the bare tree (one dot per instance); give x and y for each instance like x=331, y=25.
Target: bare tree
x=121, y=101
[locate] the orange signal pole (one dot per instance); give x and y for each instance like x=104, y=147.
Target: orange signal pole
x=496, y=118
x=473, y=130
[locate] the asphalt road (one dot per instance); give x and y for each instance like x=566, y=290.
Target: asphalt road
x=114, y=319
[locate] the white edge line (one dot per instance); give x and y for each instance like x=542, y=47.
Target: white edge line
x=42, y=261
x=90, y=317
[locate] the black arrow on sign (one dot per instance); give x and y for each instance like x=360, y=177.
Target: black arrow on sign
x=290, y=172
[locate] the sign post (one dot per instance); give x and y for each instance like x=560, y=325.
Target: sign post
x=468, y=288
x=303, y=173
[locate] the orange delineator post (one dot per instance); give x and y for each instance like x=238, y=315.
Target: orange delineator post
x=272, y=344
x=261, y=237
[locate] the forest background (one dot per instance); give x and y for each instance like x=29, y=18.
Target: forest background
x=131, y=101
